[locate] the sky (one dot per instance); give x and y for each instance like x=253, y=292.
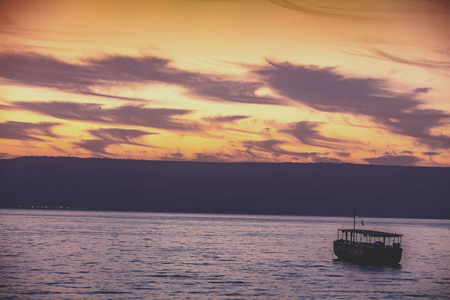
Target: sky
x=347, y=81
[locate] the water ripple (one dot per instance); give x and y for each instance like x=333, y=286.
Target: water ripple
x=80, y=254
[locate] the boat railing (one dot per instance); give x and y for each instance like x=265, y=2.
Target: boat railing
x=370, y=238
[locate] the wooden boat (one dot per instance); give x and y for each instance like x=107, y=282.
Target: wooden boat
x=368, y=247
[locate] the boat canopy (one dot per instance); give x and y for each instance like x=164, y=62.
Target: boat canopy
x=371, y=233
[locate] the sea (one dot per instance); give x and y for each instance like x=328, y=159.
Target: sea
x=67, y=254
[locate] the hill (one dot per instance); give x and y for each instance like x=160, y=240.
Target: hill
x=245, y=188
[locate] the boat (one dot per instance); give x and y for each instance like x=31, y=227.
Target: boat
x=368, y=247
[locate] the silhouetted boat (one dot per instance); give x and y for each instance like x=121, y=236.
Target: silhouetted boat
x=368, y=247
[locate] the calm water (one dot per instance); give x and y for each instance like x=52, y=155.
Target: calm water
x=117, y=255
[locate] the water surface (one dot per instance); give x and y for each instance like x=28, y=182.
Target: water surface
x=51, y=254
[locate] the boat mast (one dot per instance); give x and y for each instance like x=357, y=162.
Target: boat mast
x=354, y=217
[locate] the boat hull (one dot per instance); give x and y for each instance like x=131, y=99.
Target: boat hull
x=367, y=254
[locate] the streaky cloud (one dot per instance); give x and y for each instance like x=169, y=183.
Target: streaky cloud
x=407, y=152
x=324, y=89
x=273, y=147
x=430, y=153
x=150, y=69
x=225, y=119
x=421, y=90
x=223, y=89
x=321, y=11
x=133, y=115
x=307, y=133
x=321, y=159
x=228, y=123
x=26, y=131
x=6, y=156
x=420, y=62
x=212, y=157
x=397, y=160
x=111, y=136
x=140, y=69
x=173, y=156
x=58, y=149
x=119, y=135
x=95, y=146
x=39, y=70
x=344, y=154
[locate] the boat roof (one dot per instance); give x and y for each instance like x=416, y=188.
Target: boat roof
x=372, y=232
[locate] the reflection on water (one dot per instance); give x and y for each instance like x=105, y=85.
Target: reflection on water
x=77, y=254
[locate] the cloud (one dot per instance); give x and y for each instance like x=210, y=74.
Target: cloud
x=407, y=152
x=322, y=10
x=46, y=71
x=321, y=159
x=344, y=154
x=25, y=131
x=118, y=70
x=363, y=10
x=140, y=69
x=177, y=156
x=96, y=146
x=212, y=157
x=118, y=135
x=111, y=136
x=395, y=160
x=306, y=133
x=223, y=89
x=324, y=89
x=422, y=90
x=430, y=153
x=230, y=124
x=6, y=156
x=225, y=119
x=419, y=62
x=132, y=115
x=58, y=149
x=155, y=69
x=273, y=147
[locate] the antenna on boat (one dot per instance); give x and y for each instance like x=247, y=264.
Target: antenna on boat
x=354, y=217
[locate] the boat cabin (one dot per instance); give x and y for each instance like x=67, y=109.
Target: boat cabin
x=377, y=239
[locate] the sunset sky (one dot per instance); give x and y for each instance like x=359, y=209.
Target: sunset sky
x=229, y=81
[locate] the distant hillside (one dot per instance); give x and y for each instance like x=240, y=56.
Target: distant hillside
x=247, y=188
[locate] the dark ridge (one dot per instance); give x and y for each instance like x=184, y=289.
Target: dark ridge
x=322, y=189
